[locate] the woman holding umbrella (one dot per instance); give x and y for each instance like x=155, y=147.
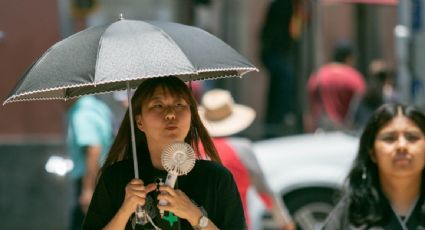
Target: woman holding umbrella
x=115, y=57
x=386, y=187
x=206, y=198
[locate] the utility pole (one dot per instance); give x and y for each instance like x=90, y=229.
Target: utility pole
x=402, y=34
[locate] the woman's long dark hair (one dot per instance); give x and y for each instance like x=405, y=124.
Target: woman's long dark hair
x=367, y=201
x=121, y=148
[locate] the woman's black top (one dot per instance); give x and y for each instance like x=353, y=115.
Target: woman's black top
x=208, y=184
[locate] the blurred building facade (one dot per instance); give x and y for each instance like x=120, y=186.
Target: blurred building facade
x=29, y=132
x=370, y=27
x=32, y=131
x=28, y=29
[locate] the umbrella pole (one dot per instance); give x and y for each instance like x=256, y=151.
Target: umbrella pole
x=133, y=138
x=140, y=216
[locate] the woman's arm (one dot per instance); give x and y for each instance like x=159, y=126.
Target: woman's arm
x=275, y=205
x=337, y=219
x=104, y=212
x=222, y=201
x=182, y=206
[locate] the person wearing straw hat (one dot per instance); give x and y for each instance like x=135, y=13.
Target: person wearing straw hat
x=223, y=117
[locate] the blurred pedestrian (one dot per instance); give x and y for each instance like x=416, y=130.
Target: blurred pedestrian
x=277, y=44
x=89, y=137
x=223, y=118
x=386, y=185
x=383, y=73
x=332, y=88
x=380, y=90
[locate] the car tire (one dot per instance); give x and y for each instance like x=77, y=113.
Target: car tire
x=310, y=207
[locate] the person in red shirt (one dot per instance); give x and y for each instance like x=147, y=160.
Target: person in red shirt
x=223, y=118
x=332, y=88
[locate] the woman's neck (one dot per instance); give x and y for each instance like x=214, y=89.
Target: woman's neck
x=401, y=192
x=155, y=154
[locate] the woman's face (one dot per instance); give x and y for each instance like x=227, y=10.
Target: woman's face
x=164, y=118
x=399, y=148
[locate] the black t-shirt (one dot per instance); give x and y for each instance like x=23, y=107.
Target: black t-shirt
x=209, y=185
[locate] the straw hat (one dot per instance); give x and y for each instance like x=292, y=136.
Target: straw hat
x=221, y=116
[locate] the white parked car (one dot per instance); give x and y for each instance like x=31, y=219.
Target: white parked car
x=307, y=171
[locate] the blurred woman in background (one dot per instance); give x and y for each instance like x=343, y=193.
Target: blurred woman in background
x=386, y=184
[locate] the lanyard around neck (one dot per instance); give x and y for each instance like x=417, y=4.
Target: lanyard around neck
x=403, y=222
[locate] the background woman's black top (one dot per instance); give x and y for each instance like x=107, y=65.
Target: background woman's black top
x=338, y=218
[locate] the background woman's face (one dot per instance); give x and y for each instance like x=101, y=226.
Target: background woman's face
x=165, y=118
x=399, y=148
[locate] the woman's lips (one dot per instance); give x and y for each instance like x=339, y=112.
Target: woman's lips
x=171, y=128
x=402, y=158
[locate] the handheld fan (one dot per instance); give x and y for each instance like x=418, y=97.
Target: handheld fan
x=177, y=159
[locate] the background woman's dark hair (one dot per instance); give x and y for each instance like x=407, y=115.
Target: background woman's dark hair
x=121, y=148
x=367, y=201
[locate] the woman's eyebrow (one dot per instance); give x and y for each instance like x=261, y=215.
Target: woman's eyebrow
x=386, y=132
x=414, y=131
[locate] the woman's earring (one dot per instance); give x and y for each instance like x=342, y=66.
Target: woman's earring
x=364, y=175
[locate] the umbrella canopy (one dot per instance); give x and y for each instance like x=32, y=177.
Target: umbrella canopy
x=106, y=58
x=120, y=56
